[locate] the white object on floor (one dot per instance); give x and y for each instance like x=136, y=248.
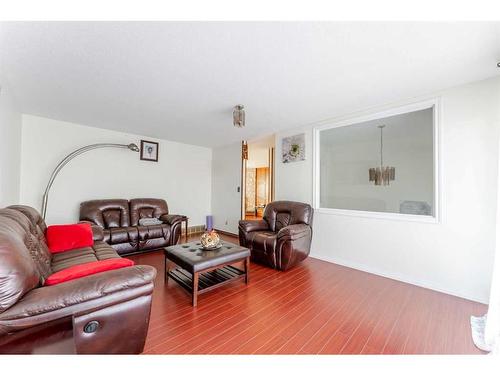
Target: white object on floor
x=478, y=324
x=486, y=329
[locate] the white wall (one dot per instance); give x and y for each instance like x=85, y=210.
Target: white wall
x=10, y=146
x=182, y=176
x=258, y=151
x=226, y=179
x=258, y=157
x=455, y=255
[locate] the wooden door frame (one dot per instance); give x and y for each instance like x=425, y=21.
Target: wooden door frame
x=272, y=162
x=244, y=158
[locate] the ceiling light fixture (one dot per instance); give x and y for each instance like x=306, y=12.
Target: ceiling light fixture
x=382, y=175
x=239, y=116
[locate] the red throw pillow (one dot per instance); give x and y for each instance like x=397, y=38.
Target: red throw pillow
x=68, y=237
x=86, y=269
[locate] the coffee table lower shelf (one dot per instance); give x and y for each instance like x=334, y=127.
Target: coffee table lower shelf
x=207, y=280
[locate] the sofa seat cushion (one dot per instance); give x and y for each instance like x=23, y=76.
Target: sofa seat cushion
x=264, y=241
x=121, y=235
x=153, y=231
x=86, y=269
x=103, y=251
x=262, y=246
x=100, y=251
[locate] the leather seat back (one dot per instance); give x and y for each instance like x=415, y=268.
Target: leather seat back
x=18, y=271
x=145, y=208
x=37, y=244
x=280, y=214
x=106, y=213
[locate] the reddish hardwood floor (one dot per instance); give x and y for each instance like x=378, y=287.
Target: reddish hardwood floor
x=316, y=308
x=253, y=217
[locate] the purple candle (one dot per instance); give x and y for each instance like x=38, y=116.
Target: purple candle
x=209, y=222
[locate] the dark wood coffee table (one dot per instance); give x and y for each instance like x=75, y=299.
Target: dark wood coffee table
x=199, y=271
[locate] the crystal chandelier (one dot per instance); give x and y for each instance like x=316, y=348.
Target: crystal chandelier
x=382, y=175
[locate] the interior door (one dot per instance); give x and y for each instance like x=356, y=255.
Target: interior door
x=261, y=190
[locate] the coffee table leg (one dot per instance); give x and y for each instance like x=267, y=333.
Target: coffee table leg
x=168, y=265
x=166, y=271
x=195, y=288
x=247, y=270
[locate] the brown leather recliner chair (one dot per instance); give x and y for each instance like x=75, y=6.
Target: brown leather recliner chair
x=107, y=312
x=118, y=221
x=283, y=238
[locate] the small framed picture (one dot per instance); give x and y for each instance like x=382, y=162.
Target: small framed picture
x=293, y=148
x=149, y=150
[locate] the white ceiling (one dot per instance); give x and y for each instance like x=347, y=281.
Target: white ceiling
x=180, y=80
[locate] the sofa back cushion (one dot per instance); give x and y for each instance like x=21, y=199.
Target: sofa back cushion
x=36, y=242
x=106, y=213
x=280, y=214
x=18, y=271
x=146, y=208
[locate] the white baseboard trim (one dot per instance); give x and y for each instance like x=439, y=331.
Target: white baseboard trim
x=402, y=278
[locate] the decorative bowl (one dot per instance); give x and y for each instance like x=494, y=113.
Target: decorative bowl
x=210, y=240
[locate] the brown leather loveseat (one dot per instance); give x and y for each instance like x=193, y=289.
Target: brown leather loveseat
x=107, y=312
x=283, y=238
x=117, y=221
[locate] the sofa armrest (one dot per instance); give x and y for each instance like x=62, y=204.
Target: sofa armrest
x=248, y=226
x=108, y=312
x=66, y=299
x=294, y=232
x=171, y=219
x=97, y=232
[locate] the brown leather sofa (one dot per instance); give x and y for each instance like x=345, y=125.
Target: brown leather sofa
x=117, y=221
x=283, y=238
x=106, y=312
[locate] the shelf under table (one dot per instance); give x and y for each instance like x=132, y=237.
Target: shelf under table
x=207, y=280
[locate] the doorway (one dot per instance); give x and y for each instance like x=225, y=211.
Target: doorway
x=257, y=177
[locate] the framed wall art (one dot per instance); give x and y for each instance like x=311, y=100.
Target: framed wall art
x=149, y=150
x=293, y=148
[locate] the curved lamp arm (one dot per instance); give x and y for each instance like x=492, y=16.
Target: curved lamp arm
x=67, y=159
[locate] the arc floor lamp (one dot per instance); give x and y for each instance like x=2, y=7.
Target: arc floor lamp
x=67, y=159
